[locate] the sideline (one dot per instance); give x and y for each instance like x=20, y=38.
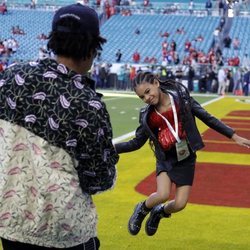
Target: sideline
x=130, y=134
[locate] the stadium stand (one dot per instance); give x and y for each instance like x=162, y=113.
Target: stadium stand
x=151, y=25
x=240, y=29
x=119, y=30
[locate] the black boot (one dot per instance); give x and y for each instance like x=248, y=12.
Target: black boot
x=153, y=221
x=135, y=221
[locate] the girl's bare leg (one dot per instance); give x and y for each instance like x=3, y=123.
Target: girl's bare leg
x=162, y=193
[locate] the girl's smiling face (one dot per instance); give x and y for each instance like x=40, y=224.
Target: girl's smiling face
x=149, y=92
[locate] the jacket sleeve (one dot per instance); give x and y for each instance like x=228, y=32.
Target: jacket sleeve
x=137, y=142
x=211, y=121
x=97, y=156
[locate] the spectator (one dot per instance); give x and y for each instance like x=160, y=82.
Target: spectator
x=146, y=3
x=227, y=42
x=1, y=66
x=2, y=48
x=222, y=77
x=33, y=4
x=137, y=31
x=222, y=22
x=246, y=61
x=118, y=55
x=138, y=70
x=103, y=75
x=56, y=141
x=191, y=75
x=237, y=79
x=136, y=57
x=246, y=82
x=3, y=8
x=153, y=60
x=216, y=37
x=164, y=34
x=191, y=7
x=199, y=38
x=187, y=45
x=99, y=55
x=212, y=85
x=234, y=61
x=121, y=85
x=164, y=45
x=42, y=53
x=180, y=30
x=146, y=59
x=173, y=45
x=95, y=74
x=16, y=30
x=208, y=7
x=176, y=58
x=132, y=73
x=221, y=7
x=42, y=36
x=236, y=43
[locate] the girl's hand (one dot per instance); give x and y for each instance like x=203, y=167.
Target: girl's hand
x=241, y=141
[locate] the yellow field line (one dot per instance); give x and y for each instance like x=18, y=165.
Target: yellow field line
x=229, y=122
x=238, y=117
x=214, y=141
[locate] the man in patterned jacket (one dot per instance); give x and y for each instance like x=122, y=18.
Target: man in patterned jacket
x=55, y=141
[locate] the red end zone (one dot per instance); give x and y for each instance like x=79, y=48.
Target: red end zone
x=215, y=142
x=218, y=184
x=214, y=184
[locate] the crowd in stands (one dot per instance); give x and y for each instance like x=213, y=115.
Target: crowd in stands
x=208, y=79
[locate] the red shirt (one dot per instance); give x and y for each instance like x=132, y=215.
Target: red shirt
x=165, y=136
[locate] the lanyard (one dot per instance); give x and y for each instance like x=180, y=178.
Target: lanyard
x=174, y=132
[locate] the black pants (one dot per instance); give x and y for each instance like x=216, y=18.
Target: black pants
x=92, y=244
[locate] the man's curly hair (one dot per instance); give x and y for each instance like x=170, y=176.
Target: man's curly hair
x=74, y=44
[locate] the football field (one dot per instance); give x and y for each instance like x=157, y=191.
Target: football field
x=218, y=214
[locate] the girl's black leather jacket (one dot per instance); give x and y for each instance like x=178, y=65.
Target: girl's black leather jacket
x=192, y=109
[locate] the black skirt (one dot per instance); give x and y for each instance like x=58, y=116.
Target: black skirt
x=180, y=172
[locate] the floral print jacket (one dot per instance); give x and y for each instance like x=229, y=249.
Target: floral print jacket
x=55, y=151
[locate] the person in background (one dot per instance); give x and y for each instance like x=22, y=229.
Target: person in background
x=208, y=7
x=246, y=82
x=227, y=41
x=191, y=75
x=191, y=7
x=118, y=55
x=168, y=121
x=236, y=43
x=56, y=141
x=222, y=78
x=3, y=8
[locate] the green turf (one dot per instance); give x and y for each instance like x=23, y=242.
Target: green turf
x=124, y=113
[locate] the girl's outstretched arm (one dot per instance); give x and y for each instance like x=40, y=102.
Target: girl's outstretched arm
x=241, y=140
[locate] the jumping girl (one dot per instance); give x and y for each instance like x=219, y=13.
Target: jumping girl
x=168, y=121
